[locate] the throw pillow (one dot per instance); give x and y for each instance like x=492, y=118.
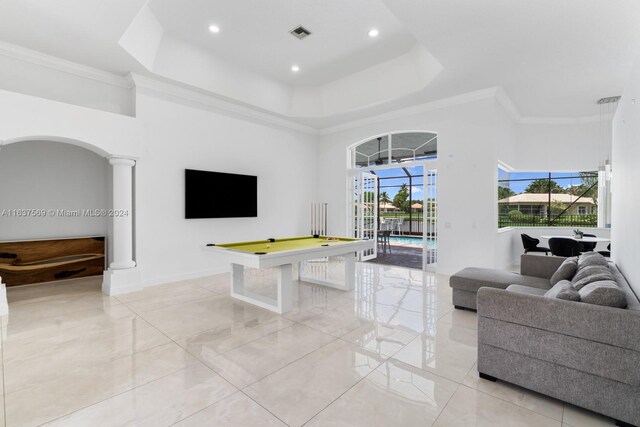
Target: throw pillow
x=566, y=271
x=592, y=273
x=605, y=292
x=592, y=258
x=563, y=290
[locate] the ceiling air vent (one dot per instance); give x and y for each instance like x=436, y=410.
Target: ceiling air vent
x=300, y=32
x=608, y=100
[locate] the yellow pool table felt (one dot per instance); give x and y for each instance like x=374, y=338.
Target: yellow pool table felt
x=286, y=244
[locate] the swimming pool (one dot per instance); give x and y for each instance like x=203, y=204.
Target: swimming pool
x=412, y=241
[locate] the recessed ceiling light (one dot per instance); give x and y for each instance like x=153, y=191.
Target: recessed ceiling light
x=214, y=28
x=373, y=32
x=295, y=68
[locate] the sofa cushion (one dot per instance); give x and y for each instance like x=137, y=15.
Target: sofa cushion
x=473, y=278
x=592, y=258
x=589, y=274
x=563, y=290
x=604, y=292
x=566, y=271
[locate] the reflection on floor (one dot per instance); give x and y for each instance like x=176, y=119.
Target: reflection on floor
x=391, y=353
x=401, y=256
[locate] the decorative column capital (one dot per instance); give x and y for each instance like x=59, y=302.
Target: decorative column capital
x=122, y=161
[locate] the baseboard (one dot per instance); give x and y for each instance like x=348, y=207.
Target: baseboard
x=4, y=304
x=184, y=276
x=116, y=282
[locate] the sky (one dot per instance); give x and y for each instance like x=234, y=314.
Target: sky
x=396, y=183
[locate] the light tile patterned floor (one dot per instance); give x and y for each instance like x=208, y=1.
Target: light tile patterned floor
x=391, y=353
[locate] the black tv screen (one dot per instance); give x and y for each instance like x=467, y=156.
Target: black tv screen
x=220, y=195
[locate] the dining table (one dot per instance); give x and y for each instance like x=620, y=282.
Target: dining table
x=585, y=239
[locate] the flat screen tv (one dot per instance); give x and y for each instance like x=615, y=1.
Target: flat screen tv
x=220, y=195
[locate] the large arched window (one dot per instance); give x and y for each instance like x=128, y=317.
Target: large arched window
x=393, y=148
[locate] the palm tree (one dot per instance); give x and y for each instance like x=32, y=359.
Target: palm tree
x=384, y=198
x=542, y=185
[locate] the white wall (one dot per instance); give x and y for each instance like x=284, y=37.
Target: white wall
x=625, y=180
x=506, y=138
x=169, y=246
x=24, y=117
x=51, y=175
x=560, y=147
x=45, y=82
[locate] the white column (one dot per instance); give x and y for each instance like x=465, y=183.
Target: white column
x=123, y=276
x=122, y=203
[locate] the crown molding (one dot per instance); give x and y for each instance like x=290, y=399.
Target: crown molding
x=563, y=120
x=496, y=92
x=210, y=101
x=418, y=109
x=38, y=58
x=505, y=101
x=503, y=98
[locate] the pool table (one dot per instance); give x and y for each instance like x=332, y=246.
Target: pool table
x=282, y=254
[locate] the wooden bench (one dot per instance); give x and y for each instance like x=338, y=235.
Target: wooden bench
x=36, y=261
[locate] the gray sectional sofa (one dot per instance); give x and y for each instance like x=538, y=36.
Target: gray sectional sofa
x=580, y=352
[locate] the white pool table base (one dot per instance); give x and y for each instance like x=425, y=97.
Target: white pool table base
x=283, y=303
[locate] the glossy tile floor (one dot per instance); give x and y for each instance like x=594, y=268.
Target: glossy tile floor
x=391, y=353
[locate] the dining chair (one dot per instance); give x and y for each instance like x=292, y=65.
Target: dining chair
x=588, y=246
x=384, y=239
x=606, y=253
x=564, y=247
x=531, y=244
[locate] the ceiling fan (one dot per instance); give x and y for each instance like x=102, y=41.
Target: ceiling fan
x=379, y=160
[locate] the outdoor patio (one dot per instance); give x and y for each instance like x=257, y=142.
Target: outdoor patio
x=403, y=256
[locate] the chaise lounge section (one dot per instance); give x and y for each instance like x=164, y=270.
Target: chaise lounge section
x=535, y=272
x=584, y=351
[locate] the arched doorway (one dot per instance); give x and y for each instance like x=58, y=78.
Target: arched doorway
x=59, y=179
x=403, y=214
x=121, y=275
